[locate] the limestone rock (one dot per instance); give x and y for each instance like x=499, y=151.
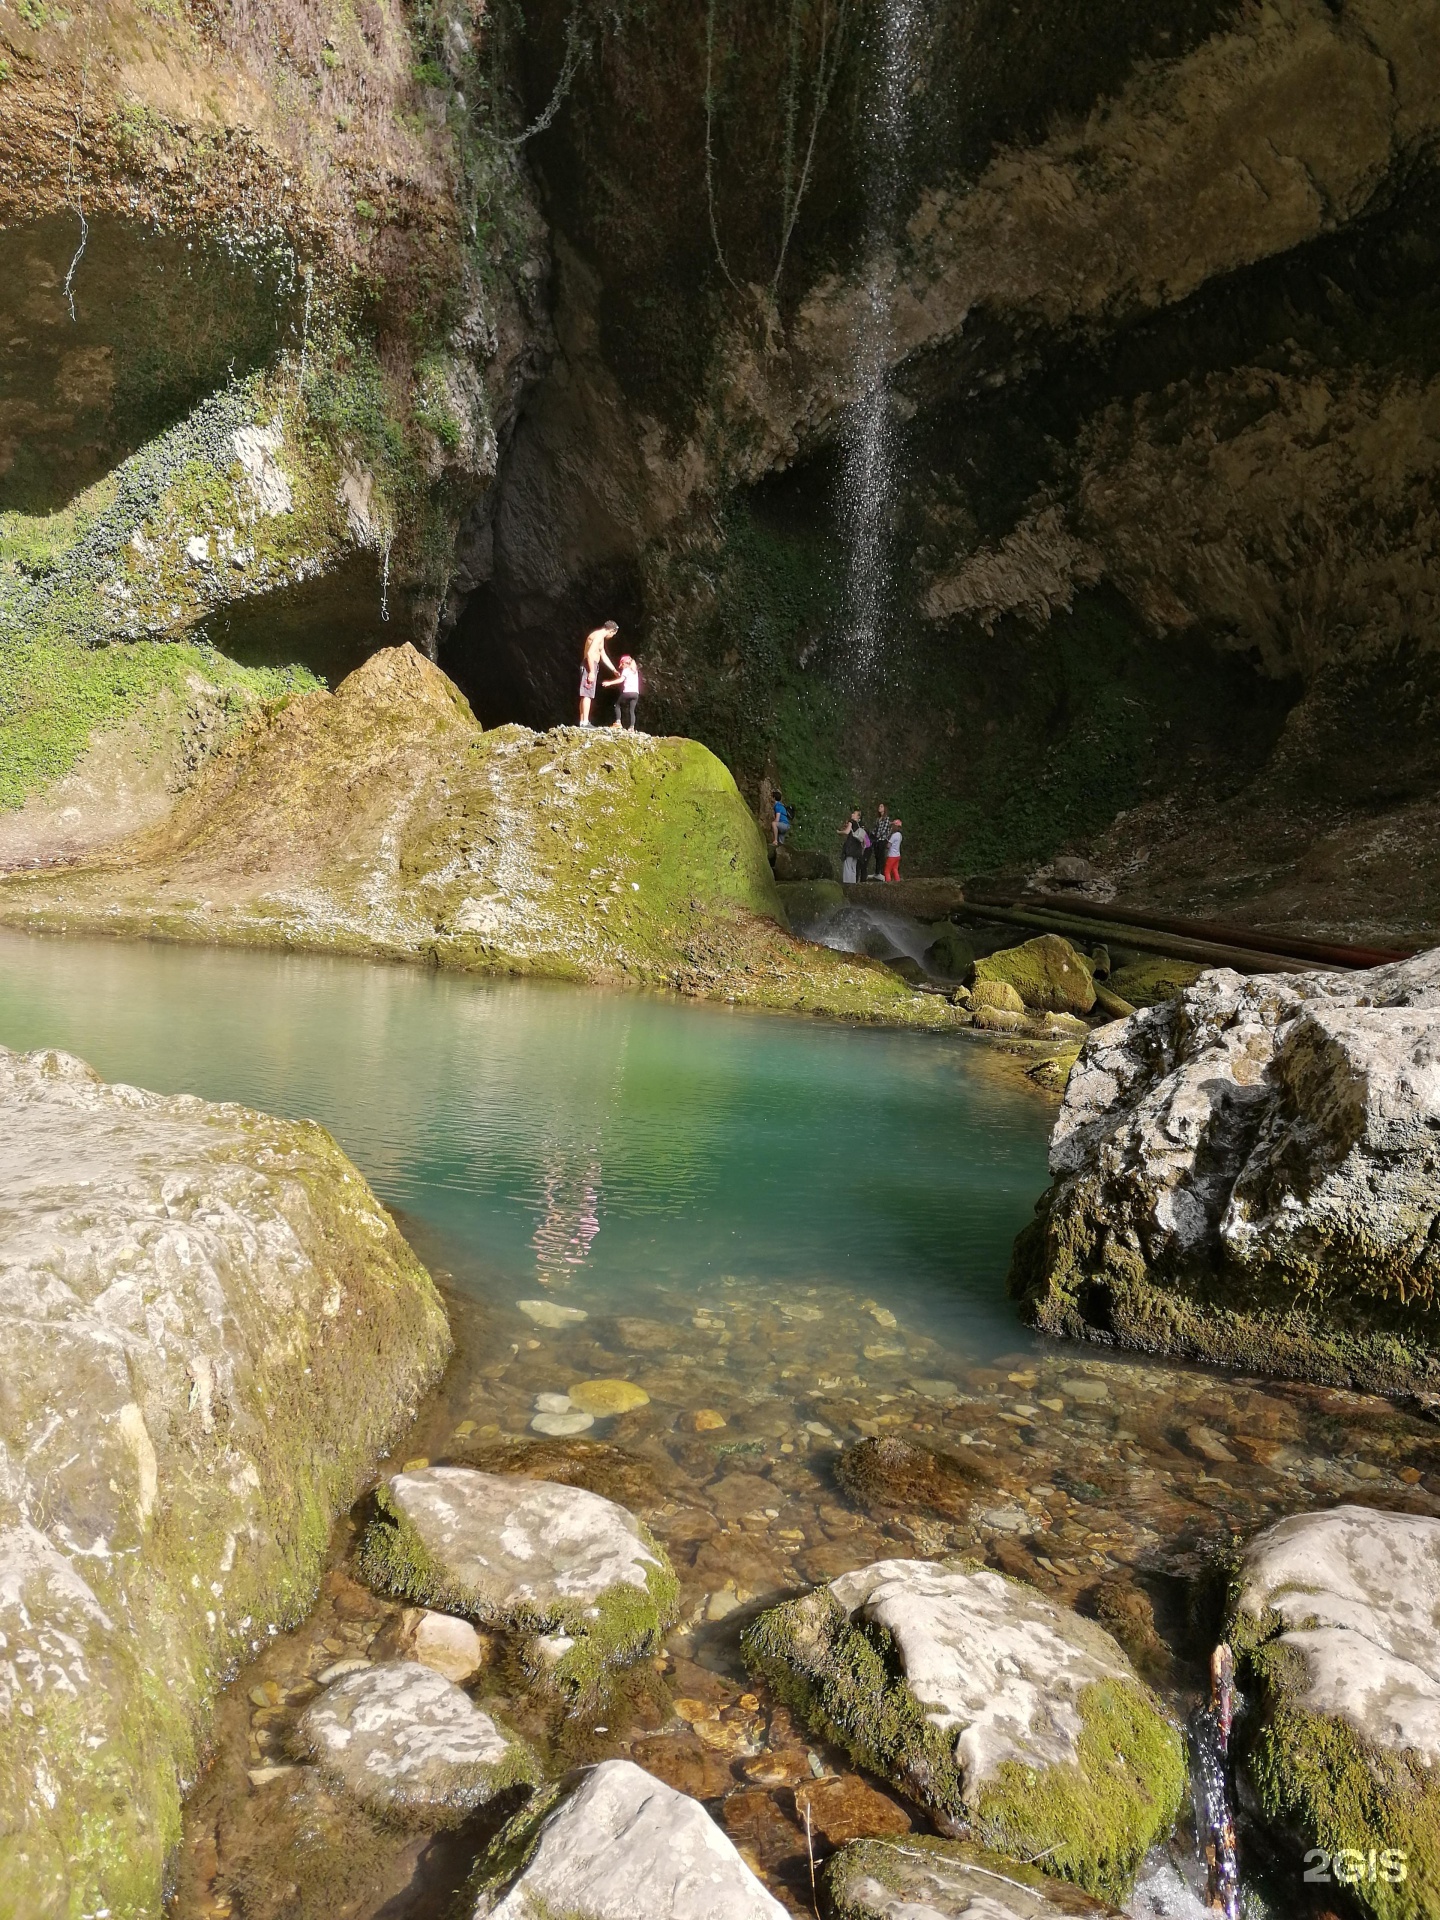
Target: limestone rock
x=211, y=1329
x=993, y=1690
x=617, y=1844
x=549, y=1559
x=1047, y=974
x=926, y=1879
x=442, y=1642
x=1336, y=1625
x=1251, y=1174
x=405, y=1741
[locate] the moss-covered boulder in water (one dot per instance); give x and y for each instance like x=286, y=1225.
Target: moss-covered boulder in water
x=1013, y=1720
x=1150, y=978
x=573, y=1571
x=1250, y=1175
x=946, y=1880
x=382, y=820
x=1046, y=972
x=1336, y=1628
x=211, y=1330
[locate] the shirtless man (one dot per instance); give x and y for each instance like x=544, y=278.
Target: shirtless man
x=591, y=661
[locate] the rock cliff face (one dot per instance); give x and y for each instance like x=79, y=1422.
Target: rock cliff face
x=1165, y=534
x=211, y=1332
x=462, y=329
x=1248, y=1175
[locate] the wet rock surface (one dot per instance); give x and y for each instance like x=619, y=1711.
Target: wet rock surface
x=1337, y=1622
x=1251, y=1175
x=211, y=1328
x=924, y=1879
x=406, y=1741
x=620, y=1845
x=988, y=1704
x=524, y=1553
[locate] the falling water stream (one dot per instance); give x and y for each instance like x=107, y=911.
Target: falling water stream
x=869, y=437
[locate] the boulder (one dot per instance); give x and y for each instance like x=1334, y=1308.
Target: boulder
x=1251, y=1175
x=552, y=1561
x=406, y=1742
x=890, y=1475
x=927, y=1879
x=211, y=1331
x=440, y=1641
x=1336, y=1630
x=806, y=901
x=1011, y=1719
x=997, y=996
x=950, y=954
x=1047, y=973
x=614, y=1843
x=1147, y=979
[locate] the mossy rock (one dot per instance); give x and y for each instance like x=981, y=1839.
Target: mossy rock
x=1333, y=1626
x=576, y=1574
x=806, y=901
x=949, y=1880
x=1150, y=978
x=891, y=1475
x=950, y=953
x=996, y=996
x=1046, y=972
x=1080, y=1765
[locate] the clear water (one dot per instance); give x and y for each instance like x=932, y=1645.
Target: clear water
x=792, y=1236
x=603, y=1147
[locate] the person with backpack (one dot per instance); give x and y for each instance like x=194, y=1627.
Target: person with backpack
x=780, y=819
x=627, y=678
x=854, y=841
x=892, y=850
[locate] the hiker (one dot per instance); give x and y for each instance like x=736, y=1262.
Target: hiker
x=892, y=850
x=780, y=819
x=881, y=838
x=627, y=679
x=852, y=851
x=590, y=663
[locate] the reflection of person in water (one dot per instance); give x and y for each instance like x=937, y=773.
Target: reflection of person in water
x=569, y=1221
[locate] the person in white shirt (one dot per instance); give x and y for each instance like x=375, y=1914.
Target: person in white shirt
x=628, y=681
x=892, y=851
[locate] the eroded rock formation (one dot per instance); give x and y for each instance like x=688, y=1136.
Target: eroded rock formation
x=211, y=1332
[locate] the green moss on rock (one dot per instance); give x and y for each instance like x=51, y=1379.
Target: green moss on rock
x=1046, y=972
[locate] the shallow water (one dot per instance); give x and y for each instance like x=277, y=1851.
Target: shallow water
x=798, y=1232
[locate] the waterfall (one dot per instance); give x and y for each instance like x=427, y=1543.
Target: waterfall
x=869, y=435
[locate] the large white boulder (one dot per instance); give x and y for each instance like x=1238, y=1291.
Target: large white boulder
x=620, y=1845
x=404, y=1740
x=1251, y=1174
x=968, y=1689
x=1336, y=1626
x=211, y=1329
x=575, y=1570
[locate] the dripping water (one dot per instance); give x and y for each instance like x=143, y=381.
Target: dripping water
x=869, y=437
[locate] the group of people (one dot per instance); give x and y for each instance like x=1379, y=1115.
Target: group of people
x=626, y=672
x=860, y=849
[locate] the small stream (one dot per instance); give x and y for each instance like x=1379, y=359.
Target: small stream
x=792, y=1235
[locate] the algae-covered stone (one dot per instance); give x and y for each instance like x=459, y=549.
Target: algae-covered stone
x=211, y=1330
x=551, y=1560
x=614, y=1843
x=998, y=996
x=1148, y=979
x=1008, y=1716
x=806, y=901
x=928, y=1879
x=1046, y=972
x=1251, y=1174
x=606, y=1397
x=405, y=1741
x=1336, y=1625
